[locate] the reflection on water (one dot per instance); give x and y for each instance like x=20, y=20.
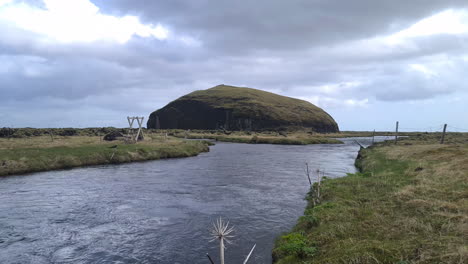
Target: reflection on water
x=161, y=211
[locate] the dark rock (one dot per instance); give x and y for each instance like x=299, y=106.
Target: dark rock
x=114, y=135
x=235, y=108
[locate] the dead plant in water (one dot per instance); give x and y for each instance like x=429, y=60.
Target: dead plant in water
x=222, y=232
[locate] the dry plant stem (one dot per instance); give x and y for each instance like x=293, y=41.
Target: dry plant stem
x=209, y=258
x=221, y=250
x=250, y=253
x=221, y=231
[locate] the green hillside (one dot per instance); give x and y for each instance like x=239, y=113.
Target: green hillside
x=238, y=108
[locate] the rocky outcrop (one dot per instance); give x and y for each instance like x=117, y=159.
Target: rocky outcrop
x=236, y=108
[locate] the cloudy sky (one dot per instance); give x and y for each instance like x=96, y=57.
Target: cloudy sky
x=81, y=63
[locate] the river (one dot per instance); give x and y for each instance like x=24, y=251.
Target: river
x=161, y=211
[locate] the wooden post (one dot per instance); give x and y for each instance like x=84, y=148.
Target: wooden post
x=360, y=145
x=51, y=135
x=396, y=133
x=130, y=123
x=308, y=174
x=373, y=137
x=211, y=260
x=319, y=180
x=140, y=123
x=443, y=134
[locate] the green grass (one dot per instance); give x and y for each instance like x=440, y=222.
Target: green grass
x=407, y=205
x=260, y=138
x=41, y=154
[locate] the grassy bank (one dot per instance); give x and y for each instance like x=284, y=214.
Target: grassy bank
x=32, y=154
x=294, y=137
x=407, y=205
x=282, y=138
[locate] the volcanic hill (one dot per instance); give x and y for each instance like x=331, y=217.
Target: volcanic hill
x=238, y=108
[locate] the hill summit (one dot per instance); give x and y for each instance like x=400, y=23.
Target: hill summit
x=240, y=108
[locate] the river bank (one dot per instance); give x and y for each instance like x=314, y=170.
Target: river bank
x=296, y=137
x=42, y=153
x=407, y=205
x=265, y=139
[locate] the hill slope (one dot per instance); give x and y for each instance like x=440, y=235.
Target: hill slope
x=236, y=108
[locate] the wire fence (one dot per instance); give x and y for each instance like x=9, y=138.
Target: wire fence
x=430, y=129
x=458, y=129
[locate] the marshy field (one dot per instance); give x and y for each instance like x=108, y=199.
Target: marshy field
x=407, y=204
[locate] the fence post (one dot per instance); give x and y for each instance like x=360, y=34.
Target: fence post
x=443, y=134
x=396, y=133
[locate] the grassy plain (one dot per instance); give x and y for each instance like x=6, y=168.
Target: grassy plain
x=41, y=153
x=409, y=204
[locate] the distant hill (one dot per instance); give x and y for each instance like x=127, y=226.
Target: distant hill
x=238, y=108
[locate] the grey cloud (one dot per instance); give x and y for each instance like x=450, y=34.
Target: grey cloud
x=400, y=83
x=239, y=26
x=288, y=47
x=32, y=77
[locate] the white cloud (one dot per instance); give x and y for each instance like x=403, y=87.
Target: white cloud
x=335, y=103
x=77, y=21
x=452, y=22
x=423, y=69
x=5, y=2
x=357, y=103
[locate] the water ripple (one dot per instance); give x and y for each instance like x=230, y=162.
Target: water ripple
x=160, y=211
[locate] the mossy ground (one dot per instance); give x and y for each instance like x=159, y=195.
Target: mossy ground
x=409, y=204
x=32, y=154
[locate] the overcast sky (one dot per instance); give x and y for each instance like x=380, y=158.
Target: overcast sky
x=82, y=63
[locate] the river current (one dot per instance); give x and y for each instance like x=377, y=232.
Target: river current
x=161, y=211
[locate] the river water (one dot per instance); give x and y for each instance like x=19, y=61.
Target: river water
x=161, y=211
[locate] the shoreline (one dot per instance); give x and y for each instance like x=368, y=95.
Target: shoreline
x=406, y=198
x=24, y=160
x=273, y=141
x=262, y=138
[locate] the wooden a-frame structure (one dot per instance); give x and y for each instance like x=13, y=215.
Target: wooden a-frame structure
x=139, y=120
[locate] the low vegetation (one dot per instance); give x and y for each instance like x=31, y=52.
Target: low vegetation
x=407, y=205
x=7, y=132
x=282, y=138
x=42, y=153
